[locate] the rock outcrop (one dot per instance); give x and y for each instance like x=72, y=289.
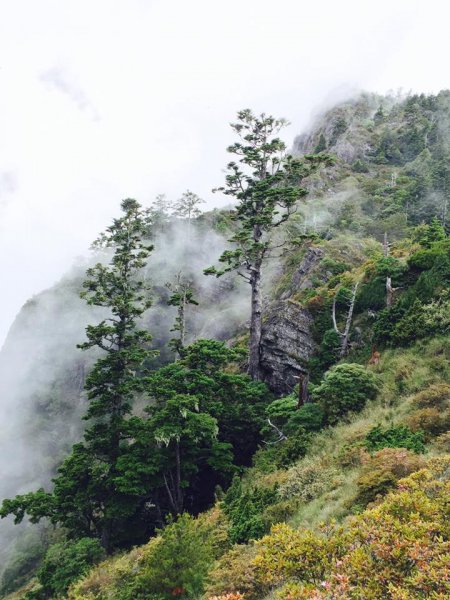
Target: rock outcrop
x=286, y=346
x=287, y=342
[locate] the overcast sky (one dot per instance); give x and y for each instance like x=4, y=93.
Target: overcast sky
x=106, y=99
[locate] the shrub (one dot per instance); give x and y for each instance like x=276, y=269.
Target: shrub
x=235, y=572
x=434, y=396
x=398, y=550
x=422, y=260
x=244, y=508
x=430, y=420
x=179, y=564
x=442, y=442
x=308, y=417
x=398, y=436
x=66, y=562
x=352, y=455
x=346, y=387
x=360, y=166
x=401, y=548
x=335, y=267
x=327, y=354
x=382, y=471
x=292, y=449
x=310, y=479
x=282, y=408
x=280, y=511
x=232, y=596
x=174, y=563
x=429, y=235
x=288, y=553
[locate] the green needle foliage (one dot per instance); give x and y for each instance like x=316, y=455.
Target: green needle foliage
x=266, y=182
x=85, y=498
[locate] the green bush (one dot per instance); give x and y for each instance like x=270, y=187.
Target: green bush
x=308, y=417
x=292, y=419
x=292, y=449
x=345, y=388
x=428, y=234
x=327, y=354
x=282, y=408
x=359, y=166
x=422, y=259
x=382, y=471
x=172, y=564
x=64, y=563
x=398, y=436
x=245, y=508
x=334, y=266
x=179, y=563
x=309, y=479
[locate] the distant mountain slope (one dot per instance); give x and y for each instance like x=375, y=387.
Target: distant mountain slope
x=391, y=174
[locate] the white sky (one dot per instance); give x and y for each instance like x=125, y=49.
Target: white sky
x=106, y=99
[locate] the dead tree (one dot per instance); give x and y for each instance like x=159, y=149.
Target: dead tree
x=281, y=436
x=389, y=289
x=385, y=245
x=348, y=322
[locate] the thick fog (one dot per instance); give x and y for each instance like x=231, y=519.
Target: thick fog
x=111, y=99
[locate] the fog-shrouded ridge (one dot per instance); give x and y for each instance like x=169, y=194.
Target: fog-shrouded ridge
x=42, y=372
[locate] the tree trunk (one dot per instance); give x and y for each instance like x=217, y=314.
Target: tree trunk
x=105, y=539
x=389, y=292
x=179, y=491
x=254, y=362
x=254, y=366
x=303, y=396
x=172, y=484
x=348, y=323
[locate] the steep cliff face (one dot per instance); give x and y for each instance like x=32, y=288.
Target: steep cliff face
x=286, y=346
x=287, y=342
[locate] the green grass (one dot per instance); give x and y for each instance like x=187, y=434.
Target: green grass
x=403, y=372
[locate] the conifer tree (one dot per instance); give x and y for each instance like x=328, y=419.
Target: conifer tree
x=182, y=296
x=86, y=498
x=266, y=182
x=187, y=207
x=160, y=211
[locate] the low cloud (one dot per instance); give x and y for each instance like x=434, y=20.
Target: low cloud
x=60, y=79
x=8, y=185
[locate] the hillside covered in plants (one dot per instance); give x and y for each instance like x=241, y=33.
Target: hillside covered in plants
x=259, y=405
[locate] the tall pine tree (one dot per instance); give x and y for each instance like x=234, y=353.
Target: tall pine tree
x=87, y=498
x=266, y=182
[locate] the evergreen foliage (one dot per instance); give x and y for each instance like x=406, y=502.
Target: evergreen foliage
x=85, y=498
x=345, y=388
x=267, y=185
x=395, y=437
x=63, y=564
